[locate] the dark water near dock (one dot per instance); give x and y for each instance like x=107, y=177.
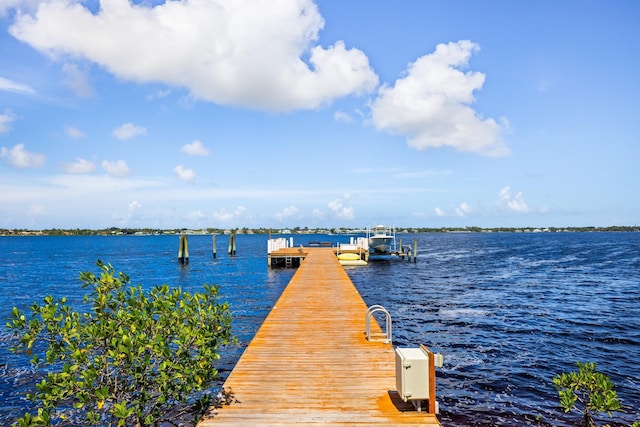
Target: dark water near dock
x=508, y=311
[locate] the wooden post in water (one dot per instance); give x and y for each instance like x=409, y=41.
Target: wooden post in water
x=401, y=250
x=215, y=250
x=183, y=249
x=232, y=244
x=415, y=249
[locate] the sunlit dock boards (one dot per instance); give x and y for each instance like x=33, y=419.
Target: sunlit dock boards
x=310, y=362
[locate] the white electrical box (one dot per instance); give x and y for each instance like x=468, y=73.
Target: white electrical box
x=412, y=374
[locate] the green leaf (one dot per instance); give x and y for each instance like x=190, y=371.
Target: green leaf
x=148, y=349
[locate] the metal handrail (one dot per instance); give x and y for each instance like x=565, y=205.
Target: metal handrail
x=388, y=326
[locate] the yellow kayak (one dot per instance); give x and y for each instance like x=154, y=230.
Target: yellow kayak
x=348, y=257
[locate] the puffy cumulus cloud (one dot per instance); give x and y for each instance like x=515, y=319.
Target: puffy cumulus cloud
x=430, y=104
x=133, y=211
x=74, y=133
x=261, y=54
x=195, y=215
x=117, y=169
x=185, y=174
x=6, y=119
x=196, y=148
x=11, y=86
x=20, y=158
x=223, y=215
x=339, y=210
x=512, y=203
x=128, y=131
x=463, y=210
x=286, y=213
x=80, y=166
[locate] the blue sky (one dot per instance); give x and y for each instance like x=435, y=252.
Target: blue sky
x=281, y=113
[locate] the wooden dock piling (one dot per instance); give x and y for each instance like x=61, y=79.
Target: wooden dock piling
x=232, y=244
x=183, y=249
x=215, y=249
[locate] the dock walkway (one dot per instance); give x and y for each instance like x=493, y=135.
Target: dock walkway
x=310, y=362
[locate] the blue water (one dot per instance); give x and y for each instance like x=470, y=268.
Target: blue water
x=509, y=311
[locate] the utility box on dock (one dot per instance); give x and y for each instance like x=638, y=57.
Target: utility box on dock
x=412, y=374
x=416, y=376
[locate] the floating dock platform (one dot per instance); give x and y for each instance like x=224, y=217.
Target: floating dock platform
x=310, y=362
x=281, y=252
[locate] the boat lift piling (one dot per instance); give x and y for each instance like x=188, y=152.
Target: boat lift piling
x=215, y=249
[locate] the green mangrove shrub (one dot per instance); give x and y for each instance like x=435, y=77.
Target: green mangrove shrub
x=588, y=391
x=131, y=358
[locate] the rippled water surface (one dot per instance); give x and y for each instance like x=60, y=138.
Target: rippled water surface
x=508, y=311
x=511, y=311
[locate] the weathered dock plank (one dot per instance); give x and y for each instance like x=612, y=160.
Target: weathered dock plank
x=310, y=362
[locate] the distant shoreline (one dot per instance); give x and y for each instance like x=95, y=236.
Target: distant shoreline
x=116, y=231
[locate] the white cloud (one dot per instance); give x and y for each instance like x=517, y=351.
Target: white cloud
x=340, y=211
x=440, y=212
x=74, y=133
x=430, y=104
x=248, y=53
x=11, y=86
x=513, y=203
x=118, y=168
x=128, y=131
x=342, y=117
x=80, y=166
x=6, y=119
x=463, y=210
x=185, y=174
x=19, y=157
x=77, y=80
x=286, y=213
x=196, y=148
x=135, y=205
x=195, y=215
x=159, y=94
x=23, y=5
x=226, y=216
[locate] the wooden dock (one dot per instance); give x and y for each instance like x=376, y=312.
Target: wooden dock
x=310, y=362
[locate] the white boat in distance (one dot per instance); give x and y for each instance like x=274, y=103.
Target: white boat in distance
x=381, y=240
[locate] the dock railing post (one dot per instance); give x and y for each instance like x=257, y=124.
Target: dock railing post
x=432, y=379
x=388, y=327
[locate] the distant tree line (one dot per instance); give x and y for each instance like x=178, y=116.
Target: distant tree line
x=112, y=231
